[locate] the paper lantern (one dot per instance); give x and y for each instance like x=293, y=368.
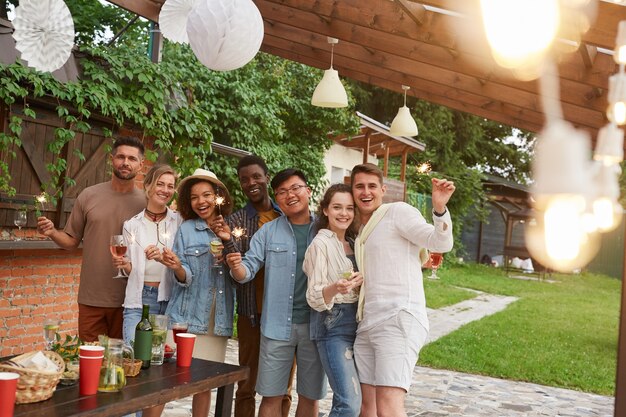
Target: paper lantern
x=225, y=34
x=173, y=19
x=44, y=33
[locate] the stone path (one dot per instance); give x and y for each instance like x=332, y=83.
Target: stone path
x=448, y=319
x=442, y=393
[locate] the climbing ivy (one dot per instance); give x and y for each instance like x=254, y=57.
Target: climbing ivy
x=263, y=107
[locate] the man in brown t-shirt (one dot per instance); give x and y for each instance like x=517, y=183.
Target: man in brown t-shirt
x=98, y=213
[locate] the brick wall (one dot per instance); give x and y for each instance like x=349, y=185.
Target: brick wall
x=35, y=285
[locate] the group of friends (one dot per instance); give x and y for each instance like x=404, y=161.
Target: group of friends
x=332, y=296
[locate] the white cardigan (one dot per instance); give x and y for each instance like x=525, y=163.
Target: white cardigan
x=135, y=234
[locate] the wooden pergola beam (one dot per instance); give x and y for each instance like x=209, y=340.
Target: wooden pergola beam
x=146, y=8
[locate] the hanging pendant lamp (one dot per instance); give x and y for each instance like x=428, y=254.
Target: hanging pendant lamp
x=403, y=124
x=330, y=92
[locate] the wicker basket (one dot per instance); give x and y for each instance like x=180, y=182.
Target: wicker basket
x=132, y=367
x=34, y=385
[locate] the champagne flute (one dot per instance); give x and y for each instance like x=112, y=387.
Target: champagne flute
x=20, y=219
x=435, y=262
x=118, y=248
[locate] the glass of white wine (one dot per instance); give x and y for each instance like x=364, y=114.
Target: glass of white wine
x=20, y=218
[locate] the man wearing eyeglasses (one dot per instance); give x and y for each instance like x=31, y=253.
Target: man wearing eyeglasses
x=254, y=180
x=280, y=246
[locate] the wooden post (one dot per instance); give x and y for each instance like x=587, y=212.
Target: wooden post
x=366, y=149
x=405, y=155
x=620, y=381
x=386, y=161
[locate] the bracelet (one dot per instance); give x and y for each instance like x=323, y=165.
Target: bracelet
x=445, y=210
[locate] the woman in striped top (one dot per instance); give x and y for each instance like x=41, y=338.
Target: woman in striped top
x=333, y=294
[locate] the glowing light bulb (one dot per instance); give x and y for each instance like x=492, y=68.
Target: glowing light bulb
x=616, y=111
x=563, y=227
x=620, y=43
x=516, y=32
x=563, y=234
x=607, y=212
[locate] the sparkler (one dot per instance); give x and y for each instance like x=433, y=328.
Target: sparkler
x=219, y=200
x=39, y=202
x=133, y=239
x=424, y=168
x=238, y=233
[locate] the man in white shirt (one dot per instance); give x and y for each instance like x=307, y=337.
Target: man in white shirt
x=394, y=325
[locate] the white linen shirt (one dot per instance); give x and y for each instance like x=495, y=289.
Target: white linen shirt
x=135, y=233
x=324, y=261
x=393, y=270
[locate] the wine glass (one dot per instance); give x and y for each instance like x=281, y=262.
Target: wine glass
x=50, y=328
x=435, y=262
x=20, y=218
x=216, y=248
x=118, y=248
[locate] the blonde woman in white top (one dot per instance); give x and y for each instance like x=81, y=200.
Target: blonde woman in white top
x=333, y=294
x=147, y=234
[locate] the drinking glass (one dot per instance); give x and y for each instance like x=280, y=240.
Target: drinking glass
x=50, y=328
x=20, y=218
x=159, y=332
x=435, y=262
x=347, y=274
x=118, y=248
x=179, y=327
x=216, y=250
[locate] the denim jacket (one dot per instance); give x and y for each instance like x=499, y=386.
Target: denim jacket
x=191, y=301
x=274, y=246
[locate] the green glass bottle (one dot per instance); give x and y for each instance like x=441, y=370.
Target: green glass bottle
x=143, y=338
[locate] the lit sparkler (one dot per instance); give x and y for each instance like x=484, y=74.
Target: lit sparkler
x=219, y=200
x=424, y=168
x=39, y=202
x=238, y=233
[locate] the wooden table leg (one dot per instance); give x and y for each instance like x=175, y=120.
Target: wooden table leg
x=224, y=403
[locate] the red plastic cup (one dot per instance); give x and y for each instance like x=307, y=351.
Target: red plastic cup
x=184, y=349
x=91, y=351
x=8, y=389
x=89, y=374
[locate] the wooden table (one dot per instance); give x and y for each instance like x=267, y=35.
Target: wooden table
x=157, y=385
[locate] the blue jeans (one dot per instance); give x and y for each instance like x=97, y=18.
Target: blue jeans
x=132, y=316
x=335, y=334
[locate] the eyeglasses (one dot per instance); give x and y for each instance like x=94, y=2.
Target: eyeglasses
x=294, y=189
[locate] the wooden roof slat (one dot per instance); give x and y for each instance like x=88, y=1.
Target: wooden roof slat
x=448, y=87
x=435, y=39
x=578, y=94
x=479, y=105
x=602, y=33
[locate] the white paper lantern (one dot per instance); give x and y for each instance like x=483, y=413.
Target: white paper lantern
x=173, y=19
x=44, y=33
x=225, y=34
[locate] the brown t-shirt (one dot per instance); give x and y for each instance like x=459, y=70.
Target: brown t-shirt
x=98, y=213
x=259, y=278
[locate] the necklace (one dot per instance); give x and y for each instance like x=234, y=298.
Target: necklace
x=156, y=217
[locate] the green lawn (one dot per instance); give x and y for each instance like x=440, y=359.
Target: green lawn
x=562, y=334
